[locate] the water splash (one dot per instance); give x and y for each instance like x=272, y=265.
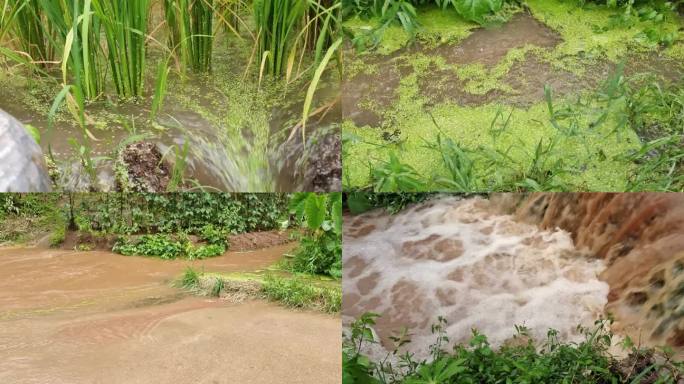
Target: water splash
x=464, y=260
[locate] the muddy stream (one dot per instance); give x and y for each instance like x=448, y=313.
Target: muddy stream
x=98, y=317
x=547, y=261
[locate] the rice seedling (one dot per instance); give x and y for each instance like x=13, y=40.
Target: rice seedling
x=191, y=34
x=125, y=28
x=287, y=29
x=25, y=18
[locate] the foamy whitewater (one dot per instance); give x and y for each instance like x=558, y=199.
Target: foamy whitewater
x=479, y=269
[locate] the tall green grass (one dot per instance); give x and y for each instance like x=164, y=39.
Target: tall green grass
x=125, y=24
x=25, y=18
x=191, y=34
x=289, y=29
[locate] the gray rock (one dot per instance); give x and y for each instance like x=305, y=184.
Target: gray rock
x=22, y=166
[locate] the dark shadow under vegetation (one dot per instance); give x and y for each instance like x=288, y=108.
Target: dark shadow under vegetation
x=519, y=361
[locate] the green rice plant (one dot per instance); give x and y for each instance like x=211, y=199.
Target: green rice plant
x=125, y=28
x=288, y=29
x=278, y=23
x=25, y=19
x=191, y=33
x=77, y=35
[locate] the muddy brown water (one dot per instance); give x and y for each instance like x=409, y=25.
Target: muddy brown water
x=543, y=260
x=98, y=317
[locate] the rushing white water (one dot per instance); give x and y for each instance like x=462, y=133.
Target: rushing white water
x=463, y=260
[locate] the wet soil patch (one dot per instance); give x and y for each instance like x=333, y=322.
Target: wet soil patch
x=146, y=168
x=258, y=240
x=488, y=46
x=364, y=94
x=443, y=85
x=529, y=77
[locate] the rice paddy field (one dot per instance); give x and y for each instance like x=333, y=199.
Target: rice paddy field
x=555, y=95
x=172, y=95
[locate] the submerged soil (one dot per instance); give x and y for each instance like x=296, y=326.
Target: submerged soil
x=88, y=317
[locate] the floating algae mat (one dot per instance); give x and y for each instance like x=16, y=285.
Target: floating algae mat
x=546, y=98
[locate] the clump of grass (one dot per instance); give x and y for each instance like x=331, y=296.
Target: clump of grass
x=190, y=279
x=299, y=293
x=217, y=287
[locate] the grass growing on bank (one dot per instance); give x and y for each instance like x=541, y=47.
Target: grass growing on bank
x=293, y=291
x=520, y=361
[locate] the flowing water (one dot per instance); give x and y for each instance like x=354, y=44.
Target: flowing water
x=478, y=268
x=96, y=317
x=548, y=260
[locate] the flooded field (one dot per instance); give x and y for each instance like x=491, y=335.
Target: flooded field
x=547, y=261
x=550, y=92
x=213, y=110
x=87, y=317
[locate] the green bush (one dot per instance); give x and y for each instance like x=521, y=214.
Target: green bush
x=320, y=245
x=214, y=236
x=58, y=236
x=159, y=245
x=205, y=251
x=519, y=361
x=319, y=255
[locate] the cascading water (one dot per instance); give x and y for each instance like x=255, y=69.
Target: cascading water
x=470, y=263
x=640, y=236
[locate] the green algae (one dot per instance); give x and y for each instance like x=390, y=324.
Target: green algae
x=591, y=157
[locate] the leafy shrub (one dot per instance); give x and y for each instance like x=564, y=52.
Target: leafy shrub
x=214, y=236
x=319, y=255
x=517, y=362
x=58, y=236
x=320, y=249
x=159, y=245
x=205, y=251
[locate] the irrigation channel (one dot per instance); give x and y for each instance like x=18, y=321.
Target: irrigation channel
x=544, y=261
x=94, y=317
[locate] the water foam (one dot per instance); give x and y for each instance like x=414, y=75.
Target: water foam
x=479, y=269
